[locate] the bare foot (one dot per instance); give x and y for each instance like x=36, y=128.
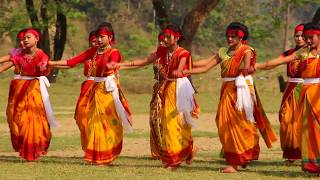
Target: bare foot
x=229, y=169
x=190, y=159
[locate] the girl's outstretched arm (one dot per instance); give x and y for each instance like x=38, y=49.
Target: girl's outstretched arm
x=270, y=64
x=6, y=66
x=4, y=58
x=214, y=60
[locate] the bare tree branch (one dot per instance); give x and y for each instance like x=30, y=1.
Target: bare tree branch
x=193, y=20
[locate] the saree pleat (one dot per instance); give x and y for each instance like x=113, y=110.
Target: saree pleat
x=105, y=131
x=26, y=116
x=81, y=111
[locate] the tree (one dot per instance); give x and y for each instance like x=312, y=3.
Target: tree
x=191, y=21
x=43, y=24
x=282, y=83
x=287, y=7
x=316, y=17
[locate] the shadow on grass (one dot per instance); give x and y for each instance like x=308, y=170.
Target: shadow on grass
x=274, y=163
x=122, y=161
x=289, y=174
x=149, y=163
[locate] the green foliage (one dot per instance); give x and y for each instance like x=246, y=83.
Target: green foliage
x=13, y=20
x=136, y=31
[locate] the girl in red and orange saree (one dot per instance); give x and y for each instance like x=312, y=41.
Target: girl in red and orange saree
x=240, y=114
x=29, y=113
x=308, y=104
x=178, y=103
x=107, y=110
x=156, y=100
x=82, y=103
x=290, y=125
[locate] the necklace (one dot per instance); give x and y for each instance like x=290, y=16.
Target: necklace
x=30, y=56
x=101, y=50
x=231, y=52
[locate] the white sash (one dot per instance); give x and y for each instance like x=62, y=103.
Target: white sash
x=244, y=98
x=295, y=80
x=90, y=78
x=111, y=86
x=184, y=100
x=44, y=83
x=311, y=81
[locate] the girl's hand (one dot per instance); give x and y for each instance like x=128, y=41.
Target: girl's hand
x=177, y=74
x=113, y=65
x=51, y=63
x=258, y=66
x=186, y=71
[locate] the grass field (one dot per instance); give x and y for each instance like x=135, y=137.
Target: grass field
x=64, y=160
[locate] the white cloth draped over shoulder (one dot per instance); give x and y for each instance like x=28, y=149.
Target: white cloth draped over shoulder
x=185, y=99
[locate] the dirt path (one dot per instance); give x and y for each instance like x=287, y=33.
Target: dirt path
x=140, y=146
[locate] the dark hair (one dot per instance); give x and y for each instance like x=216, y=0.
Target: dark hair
x=109, y=28
x=159, y=36
x=311, y=26
x=175, y=28
x=93, y=33
x=240, y=26
x=20, y=32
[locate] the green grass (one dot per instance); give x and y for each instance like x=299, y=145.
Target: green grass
x=140, y=168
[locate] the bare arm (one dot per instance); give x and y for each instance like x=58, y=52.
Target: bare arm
x=62, y=67
x=138, y=62
x=247, y=59
x=275, y=62
x=202, y=62
x=6, y=66
x=4, y=59
x=58, y=63
x=214, y=60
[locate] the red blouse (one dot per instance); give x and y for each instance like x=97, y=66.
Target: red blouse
x=292, y=67
x=162, y=53
x=86, y=66
x=30, y=66
x=96, y=64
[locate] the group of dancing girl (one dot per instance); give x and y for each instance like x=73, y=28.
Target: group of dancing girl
x=102, y=112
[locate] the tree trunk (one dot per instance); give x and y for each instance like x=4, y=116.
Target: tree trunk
x=32, y=13
x=45, y=41
x=162, y=18
x=286, y=28
x=193, y=20
x=60, y=39
x=316, y=17
x=129, y=9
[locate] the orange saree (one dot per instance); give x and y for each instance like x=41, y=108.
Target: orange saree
x=26, y=114
x=177, y=142
x=309, y=111
x=103, y=125
x=290, y=125
x=239, y=136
